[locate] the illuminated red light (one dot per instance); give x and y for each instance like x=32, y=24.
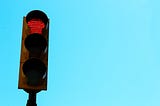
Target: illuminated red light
x=36, y=26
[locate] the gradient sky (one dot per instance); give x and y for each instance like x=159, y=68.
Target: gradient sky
x=101, y=52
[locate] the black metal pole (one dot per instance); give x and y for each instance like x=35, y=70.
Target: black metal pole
x=31, y=99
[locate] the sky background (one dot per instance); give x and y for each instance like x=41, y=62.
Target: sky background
x=101, y=52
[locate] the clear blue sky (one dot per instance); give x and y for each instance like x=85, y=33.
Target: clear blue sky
x=101, y=52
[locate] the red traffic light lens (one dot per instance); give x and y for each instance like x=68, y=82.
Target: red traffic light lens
x=36, y=26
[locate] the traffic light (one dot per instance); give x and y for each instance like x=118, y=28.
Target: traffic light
x=34, y=52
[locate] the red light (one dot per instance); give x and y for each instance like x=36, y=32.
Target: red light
x=36, y=26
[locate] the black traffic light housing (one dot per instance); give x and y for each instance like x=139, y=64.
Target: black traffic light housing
x=34, y=52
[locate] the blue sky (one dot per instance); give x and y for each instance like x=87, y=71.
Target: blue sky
x=101, y=52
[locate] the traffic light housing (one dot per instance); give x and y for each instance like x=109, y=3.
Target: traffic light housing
x=34, y=52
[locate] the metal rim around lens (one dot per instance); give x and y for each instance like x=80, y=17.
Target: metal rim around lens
x=37, y=14
x=36, y=43
x=36, y=65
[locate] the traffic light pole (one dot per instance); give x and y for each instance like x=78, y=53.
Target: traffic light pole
x=31, y=99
